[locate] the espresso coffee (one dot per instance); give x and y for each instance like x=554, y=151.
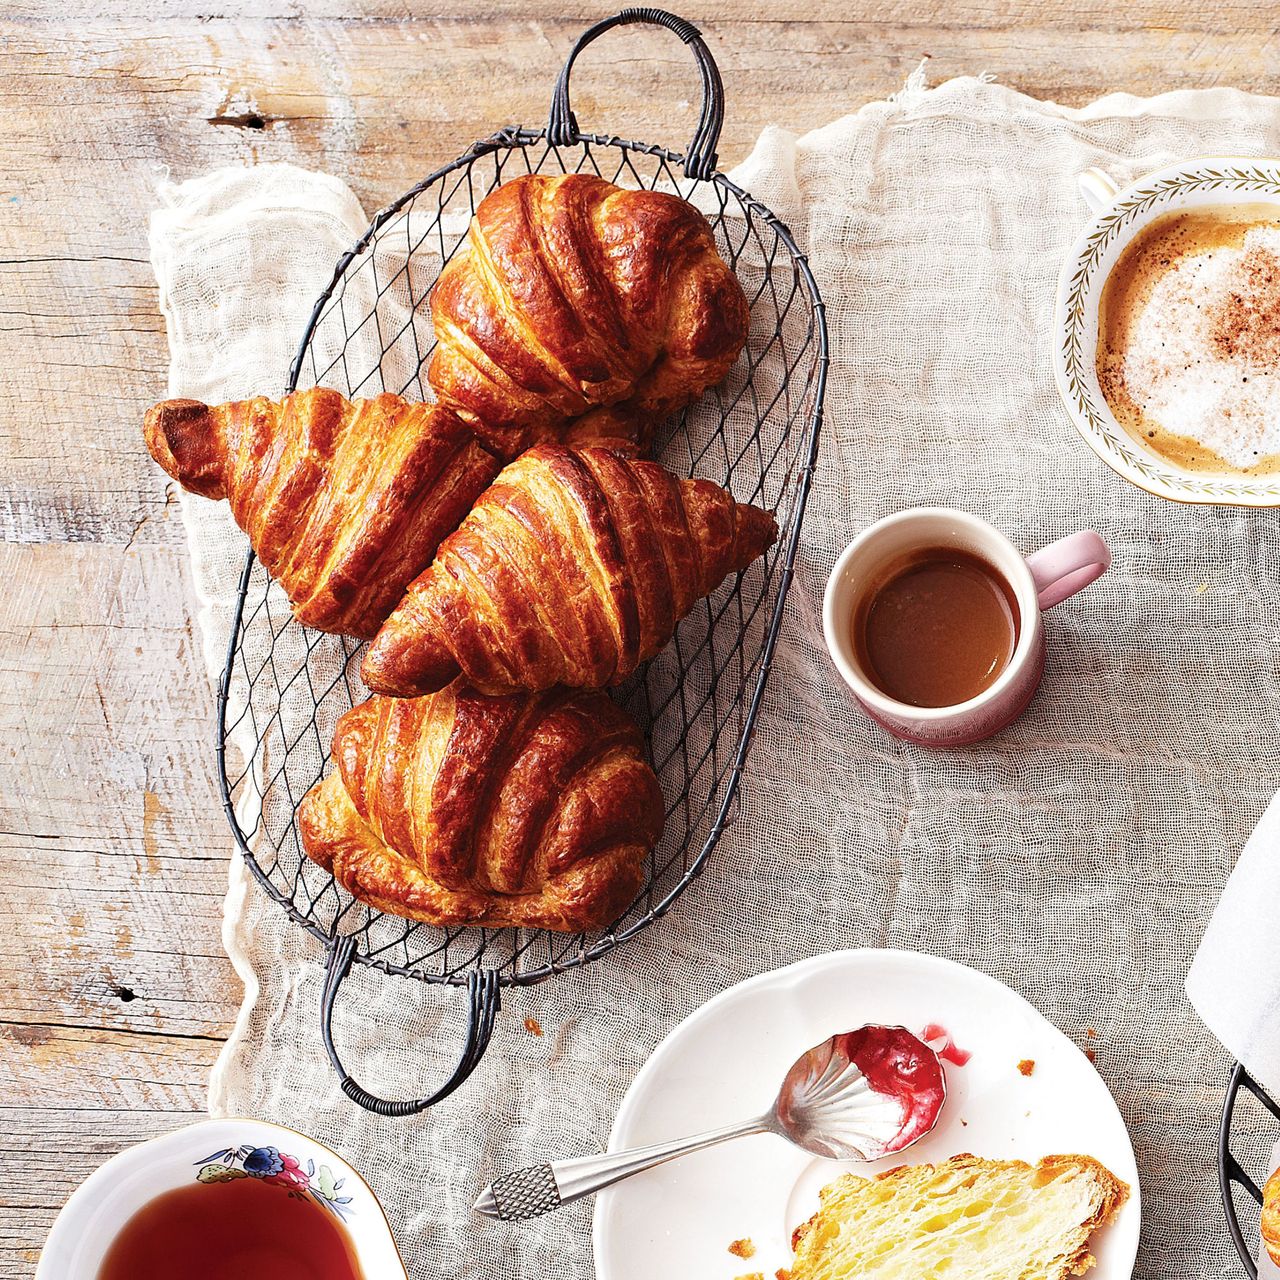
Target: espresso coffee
x=1189, y=339
x=936, y=629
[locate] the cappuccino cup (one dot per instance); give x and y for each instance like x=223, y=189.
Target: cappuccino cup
x=1184, y=401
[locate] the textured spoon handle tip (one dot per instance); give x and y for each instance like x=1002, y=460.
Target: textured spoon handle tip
x=526, y=1193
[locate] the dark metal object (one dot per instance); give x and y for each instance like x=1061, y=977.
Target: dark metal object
x=1230, y=1172
x=485, y=1000
x=757, y=434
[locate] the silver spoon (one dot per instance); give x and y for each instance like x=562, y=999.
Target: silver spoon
x=857, y=1096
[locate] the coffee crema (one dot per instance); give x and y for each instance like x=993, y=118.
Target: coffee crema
x=936, y=628
x=1189, y=339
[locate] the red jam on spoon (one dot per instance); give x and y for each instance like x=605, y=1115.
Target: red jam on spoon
x=862, y=1095
x=900, y=1066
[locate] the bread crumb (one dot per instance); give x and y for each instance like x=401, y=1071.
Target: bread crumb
x=1027, y=1066
x=782, y=1274
x=755, y=1275
x=533, y=1026
x=1089, y=1053
x=743, y=1248
x=1090, y=1032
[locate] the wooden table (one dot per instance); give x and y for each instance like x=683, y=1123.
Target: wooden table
x=113, y=847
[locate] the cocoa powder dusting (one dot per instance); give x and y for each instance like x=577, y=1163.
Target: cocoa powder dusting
x=1246, y=325
x=1188, y=354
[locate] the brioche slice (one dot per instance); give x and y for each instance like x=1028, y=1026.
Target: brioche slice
x=964, y=1219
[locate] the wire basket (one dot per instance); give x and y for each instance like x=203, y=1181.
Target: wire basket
x=285, y=686
x=1249, y=1130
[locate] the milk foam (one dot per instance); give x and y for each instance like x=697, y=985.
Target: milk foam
x=1182, y=374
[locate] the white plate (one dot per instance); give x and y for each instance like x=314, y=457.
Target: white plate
x=724, y=1062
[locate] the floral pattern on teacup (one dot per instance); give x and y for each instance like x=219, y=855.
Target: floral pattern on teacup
x=270, y=1165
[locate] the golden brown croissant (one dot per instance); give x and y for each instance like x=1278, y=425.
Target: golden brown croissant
x=572, y=568
x=578, y=300
x=343, y=501
x=1270, y=1223
x=533, y=810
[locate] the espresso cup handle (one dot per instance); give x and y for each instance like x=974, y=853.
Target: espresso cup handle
x=1064, y=567
x=1097, y=190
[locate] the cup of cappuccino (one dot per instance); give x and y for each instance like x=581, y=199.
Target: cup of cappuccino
x=1167, y=350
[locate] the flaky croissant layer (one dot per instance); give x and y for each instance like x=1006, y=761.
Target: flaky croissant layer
x=573, y=568
x=534, y=810
x=344, y=501
x=579, y=301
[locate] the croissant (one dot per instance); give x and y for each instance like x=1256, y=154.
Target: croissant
x=1270, y=1221
x=572, y=568
x=576, y=300
x=534, y=810
x=343, y=501
x=576, y=309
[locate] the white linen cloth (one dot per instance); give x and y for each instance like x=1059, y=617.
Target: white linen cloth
x=1077, y=856
x=1234, y=982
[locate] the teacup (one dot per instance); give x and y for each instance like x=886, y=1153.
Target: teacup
x=1119, y=216
x=1037, y=582
x=90, y=1221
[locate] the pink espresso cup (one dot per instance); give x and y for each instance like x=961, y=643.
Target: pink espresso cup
x=1038, y=582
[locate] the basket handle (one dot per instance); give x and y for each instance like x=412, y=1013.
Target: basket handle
x=485, y=1000
x=700, y=158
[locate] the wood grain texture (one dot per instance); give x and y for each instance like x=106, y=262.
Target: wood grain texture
x=112, y=845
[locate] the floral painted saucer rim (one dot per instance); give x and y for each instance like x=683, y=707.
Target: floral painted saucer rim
x=81, y=1218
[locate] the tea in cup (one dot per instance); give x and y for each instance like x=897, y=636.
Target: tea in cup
x=932, y=617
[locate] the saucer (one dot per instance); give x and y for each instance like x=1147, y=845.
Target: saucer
x=726, y=1060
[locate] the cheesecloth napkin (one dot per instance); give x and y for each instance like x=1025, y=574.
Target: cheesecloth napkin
x=1076, y=857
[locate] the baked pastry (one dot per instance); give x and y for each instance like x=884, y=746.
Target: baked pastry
x=577, y=300
x=535, y=810
x=1271, y=1217
x=965, y=1218
x=572, y=568
x=344, y=501
x=576, y=310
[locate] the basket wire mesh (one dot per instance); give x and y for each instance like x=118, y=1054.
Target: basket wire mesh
x=285, y=686
x=1250, y=1126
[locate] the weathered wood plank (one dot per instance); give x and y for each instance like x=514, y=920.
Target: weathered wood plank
x=72, y=1098
x=113, y=847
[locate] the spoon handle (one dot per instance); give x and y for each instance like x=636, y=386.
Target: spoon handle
x=529, y=1193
